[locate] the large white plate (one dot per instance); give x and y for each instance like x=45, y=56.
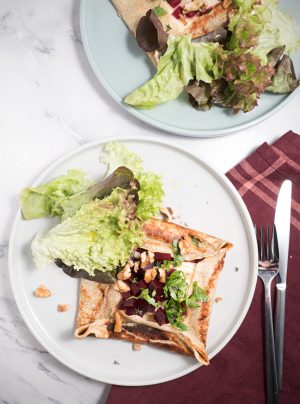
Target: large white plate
x=206, y=201
x=121, y=66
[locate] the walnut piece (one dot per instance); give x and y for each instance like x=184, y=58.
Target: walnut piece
x=122, y=286
x=63, y=307
x=150, y=274
x=162, y=275
x=136, y=346
x=125, y=273
x=42, y=291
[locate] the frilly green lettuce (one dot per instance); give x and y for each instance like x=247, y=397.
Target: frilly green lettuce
x=151, y=192
x=99, y=236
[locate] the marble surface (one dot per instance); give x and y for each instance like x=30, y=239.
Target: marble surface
x=50, y=102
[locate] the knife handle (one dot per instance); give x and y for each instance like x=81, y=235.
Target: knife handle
x=279, y=330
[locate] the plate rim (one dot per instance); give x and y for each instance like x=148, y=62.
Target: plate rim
x=229, y=188
x=201, y=133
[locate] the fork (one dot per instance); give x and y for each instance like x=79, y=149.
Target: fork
x=268, y=268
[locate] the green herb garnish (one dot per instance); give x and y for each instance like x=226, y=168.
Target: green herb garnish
x=178, y=258
x=198, y=295
x=160, y=11
x=195, y=240
x=168, y=27
x=146, y=296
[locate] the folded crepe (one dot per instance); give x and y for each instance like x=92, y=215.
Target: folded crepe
x=101, y=310
x=197, y=17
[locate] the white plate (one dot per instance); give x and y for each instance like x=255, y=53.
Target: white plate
x=206, y=201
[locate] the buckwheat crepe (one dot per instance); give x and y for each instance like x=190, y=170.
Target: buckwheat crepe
x=99, y=315
x=132, y=11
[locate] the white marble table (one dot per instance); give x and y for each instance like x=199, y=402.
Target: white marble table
x=50, y=101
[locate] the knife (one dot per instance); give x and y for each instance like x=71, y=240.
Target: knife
x=282, y=232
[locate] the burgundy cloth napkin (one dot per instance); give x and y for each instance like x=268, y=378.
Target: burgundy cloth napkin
x=236, y=374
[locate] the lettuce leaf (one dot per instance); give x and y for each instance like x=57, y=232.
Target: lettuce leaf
x=182, y=61
x=151, y=192
x=46, y=199
x=99, y=236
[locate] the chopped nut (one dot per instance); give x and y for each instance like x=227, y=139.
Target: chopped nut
x=218, y=299
x=136, y=346
x=123, y=287
x=42, y=291
x=63, y=307
x=136, y=255
x=136, y=266
x=173, y=213
x=125, y=273
x=166, y=212
x=162, y=275
x=151, y=256
x=118, y=322
x=150, y=274
x=143, y=257
x=130, y=263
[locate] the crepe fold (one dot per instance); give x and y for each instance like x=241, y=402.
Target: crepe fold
x=98, y=313
x=132, y=11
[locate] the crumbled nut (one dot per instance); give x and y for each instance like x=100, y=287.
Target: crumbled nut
x=118, y=322
x=150, y=274
x=125, y=273
x=162, y=275
x=136, y=266
x=63, y=307
x=42, y=291
x=136, y=346
x=143, y=257
x=137, y=255
x=123, y=287
x=218, y=299
x=130, y=263
x=150, y=256
x=165, y=212
x=173, y=213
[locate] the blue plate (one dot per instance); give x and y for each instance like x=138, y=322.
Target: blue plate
x=121, y=66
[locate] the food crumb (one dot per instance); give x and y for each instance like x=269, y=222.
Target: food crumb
x=116, y=362
x=42, y=291
x=236, y=269
x=63, y=307
x=218, y=299
x=136, y=346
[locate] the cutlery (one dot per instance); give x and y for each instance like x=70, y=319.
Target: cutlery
x=267, y=271
x=282, y=233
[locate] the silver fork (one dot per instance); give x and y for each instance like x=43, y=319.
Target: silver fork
x=268, y=267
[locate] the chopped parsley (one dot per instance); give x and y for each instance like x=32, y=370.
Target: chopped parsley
x=160, y=11
x=146, y=296
x=168, y=27
x=195, y=240
x=178, y=258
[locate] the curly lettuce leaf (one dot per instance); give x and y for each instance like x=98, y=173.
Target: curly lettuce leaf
x=46, y=199
x=151, y=192
x=182, y=61
x=99, y=236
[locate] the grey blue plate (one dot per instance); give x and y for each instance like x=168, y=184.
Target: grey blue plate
x=121, y=66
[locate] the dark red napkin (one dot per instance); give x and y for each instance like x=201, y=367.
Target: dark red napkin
x=236, y=374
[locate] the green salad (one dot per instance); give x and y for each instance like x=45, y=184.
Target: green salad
x=101, y=222
x=253, y=58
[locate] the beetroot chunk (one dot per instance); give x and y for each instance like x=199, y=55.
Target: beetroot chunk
x=174, y=3
x=160, y=316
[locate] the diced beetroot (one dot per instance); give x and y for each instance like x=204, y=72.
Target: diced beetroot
x=157, y=286
x=162, y=256
x=159, y=298
x=134, y=289
x=129, y=303
x=141, y=284
x=121, y=305
x=160, y=316
x=125, y=295
x=130, y=311
x=177, y=13
x=170, y=271
x=140, y=273
x=148, y=266
x=190, y=14
x=145, y=307
x=174, y=3
x=208, y=10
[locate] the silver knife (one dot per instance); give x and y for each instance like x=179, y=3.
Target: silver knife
x=282, y=231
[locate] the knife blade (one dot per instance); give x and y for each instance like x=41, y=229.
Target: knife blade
x=282, y=232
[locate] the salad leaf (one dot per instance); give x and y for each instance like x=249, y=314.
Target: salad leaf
x=182, y=61
x=47, y=199
x=284, y=80
x=99, y=236
x=198, y=295
x=151, y=192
